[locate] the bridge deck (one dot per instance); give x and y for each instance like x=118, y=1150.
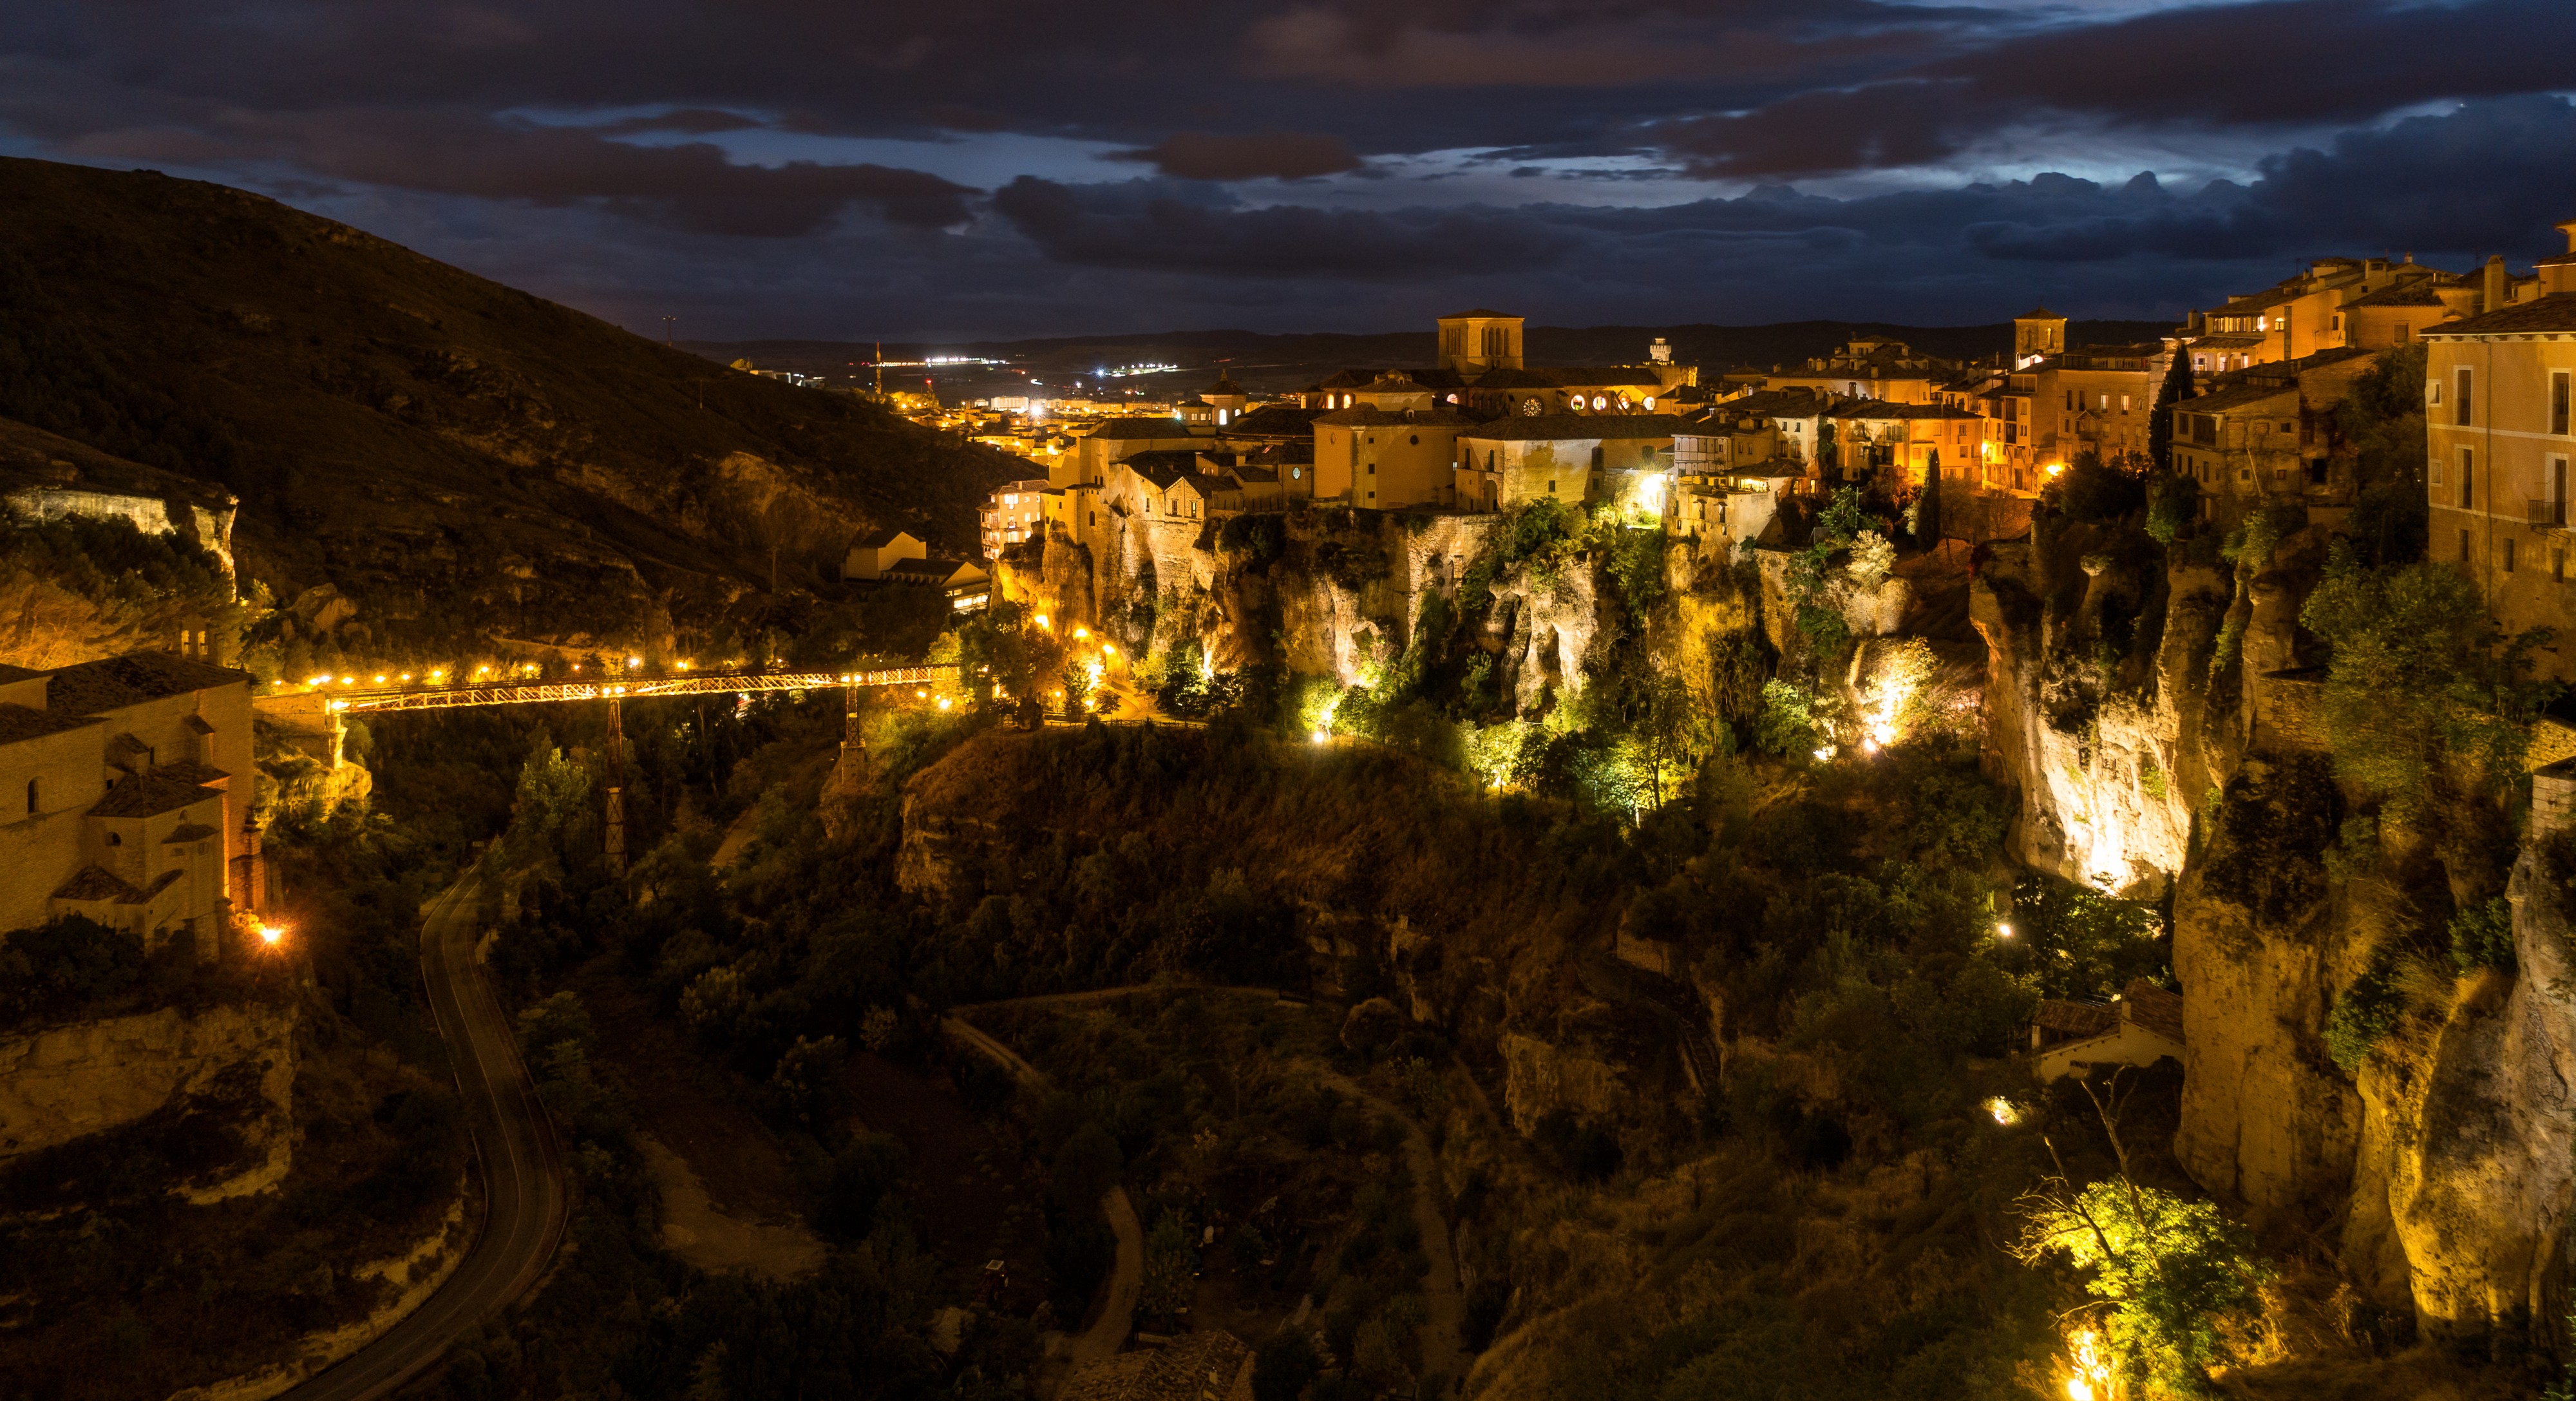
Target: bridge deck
x=354, y=699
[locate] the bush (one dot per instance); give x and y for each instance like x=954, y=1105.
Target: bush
x=1788, y=724
x=1282, y=1366
x=64, y=963
x=2366, y=1012
x=2482, y=936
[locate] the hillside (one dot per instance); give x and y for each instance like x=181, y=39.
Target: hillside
x=459, y=458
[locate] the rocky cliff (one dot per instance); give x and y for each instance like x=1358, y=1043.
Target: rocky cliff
x=2163, y=737
x=235, y=1062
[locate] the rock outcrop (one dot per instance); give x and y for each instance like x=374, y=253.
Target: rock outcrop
x=68, y=1082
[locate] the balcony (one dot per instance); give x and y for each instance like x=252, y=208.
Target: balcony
x=2543, y=511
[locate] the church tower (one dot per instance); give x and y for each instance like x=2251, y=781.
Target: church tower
x=1472, y=342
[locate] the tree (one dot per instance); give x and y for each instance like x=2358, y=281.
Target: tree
x=2172, y=1274
x=2160, y=420
x=2424, y=695
x=1927, y=512
x=1170, y=1266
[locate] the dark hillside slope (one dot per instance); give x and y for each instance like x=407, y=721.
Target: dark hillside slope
x=458, y=457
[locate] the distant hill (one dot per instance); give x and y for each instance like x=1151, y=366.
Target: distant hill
x=1269, y=363
x=459, y=458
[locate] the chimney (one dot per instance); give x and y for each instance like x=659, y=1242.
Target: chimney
x=2493, y=298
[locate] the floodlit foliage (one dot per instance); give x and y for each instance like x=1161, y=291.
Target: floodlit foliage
x=2172, y=1274
x=2425, y=698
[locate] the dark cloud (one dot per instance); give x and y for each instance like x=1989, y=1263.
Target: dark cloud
x=2280, y=63
x=1140, y=226
x=691, y=186
x=1279, y=155
x=691, y=121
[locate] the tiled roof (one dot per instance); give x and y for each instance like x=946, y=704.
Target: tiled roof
x=98, y=883
x=877, y=539
x=2238, y=396
x=23, y=722
x=2551, y=313
x=189, y=832
x=2417, y=292
x=90, y=687
x=2074, y=1018
x=150, y=795
x=190, y=771
x=2039, y=313
x=1364, y=416
x=2154, y=1008
x=1570, y=427
x=1274, y=420
x=2230, y=341
x=1872, y=408
x=1568, y=378
x=1133, y=428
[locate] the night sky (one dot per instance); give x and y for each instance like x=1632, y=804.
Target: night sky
x=999, y=168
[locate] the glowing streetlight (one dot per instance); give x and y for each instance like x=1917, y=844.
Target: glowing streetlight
x=271, y=934
x=2003, y=931
x=1322, y=738
x=1108, y=649
x=2003, y=1111
x=634, y=662
x=1080, y=633
x=943, y=702
x=1042, y=621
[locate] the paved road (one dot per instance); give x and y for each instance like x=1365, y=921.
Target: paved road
x=1108, y=1332
x=513, y=1142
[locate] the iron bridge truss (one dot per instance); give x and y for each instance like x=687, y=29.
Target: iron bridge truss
x=355, y=700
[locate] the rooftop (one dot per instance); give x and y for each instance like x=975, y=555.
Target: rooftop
x=1364, y=416
x=21, y=722
x=1580, y=427
x=2551, y=313
x=91, y=687
x=150, y=795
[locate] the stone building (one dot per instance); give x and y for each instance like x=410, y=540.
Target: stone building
x=1870, y=367
x=1011, y=514
x=125, y=794
x=2268, y=434
x=1579, y=459
x=2497, y=404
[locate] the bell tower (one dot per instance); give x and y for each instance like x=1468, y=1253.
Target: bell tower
x=1472, y=342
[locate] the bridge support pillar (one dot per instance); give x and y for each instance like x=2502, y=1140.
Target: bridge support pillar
x=616, y=817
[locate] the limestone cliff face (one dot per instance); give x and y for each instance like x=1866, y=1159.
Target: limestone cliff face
x=2161, y=735
x=68, y=1082
x=2480, y=1135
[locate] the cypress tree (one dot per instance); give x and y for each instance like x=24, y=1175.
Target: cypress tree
x=1927, y=513
x=2175, y=389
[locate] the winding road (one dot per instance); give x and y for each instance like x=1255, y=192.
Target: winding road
x=514, y=1143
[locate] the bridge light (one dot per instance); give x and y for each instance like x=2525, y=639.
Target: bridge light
x=380, y=678
x=406, y=676
x=633, y=662
x=319, y=681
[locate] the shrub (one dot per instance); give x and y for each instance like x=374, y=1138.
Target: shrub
x=63, y=963
x=1788, y=724
x=1282, y=1366
x=2482, y=936
x=2366, y=1012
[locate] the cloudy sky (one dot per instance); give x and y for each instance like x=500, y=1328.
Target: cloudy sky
x=1030, y=167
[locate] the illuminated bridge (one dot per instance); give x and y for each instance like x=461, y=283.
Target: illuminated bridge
x=316, y=701
x=316, y=714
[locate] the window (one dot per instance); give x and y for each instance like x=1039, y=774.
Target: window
x=1372, y=469
x=2468, y=466
x=2460, y=401
x=2553, y=485
x=2124, y=403
x=31, y=797
x=2403, y=332
x=1551, y=486
x=2557, y=566
x=2558, y=402
x=1415, y=439
x=2508, y=554
x=115, y=839
x=2464, y=547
